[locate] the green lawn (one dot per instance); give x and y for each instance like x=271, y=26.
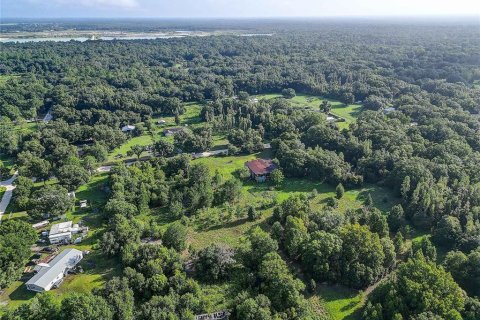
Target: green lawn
x=7, y=163
x=191, y=118
x=143, y=140
x=340, y=302
x=348, y=112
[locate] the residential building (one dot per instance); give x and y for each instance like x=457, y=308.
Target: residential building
x=260, y=169
x=50, y=275
x=388, y=110
x=171, y=131
x=128, y=128
x=61, y=233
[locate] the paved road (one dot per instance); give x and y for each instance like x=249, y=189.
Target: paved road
x=7, y=196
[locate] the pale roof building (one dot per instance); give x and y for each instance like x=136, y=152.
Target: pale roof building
x=51, y=275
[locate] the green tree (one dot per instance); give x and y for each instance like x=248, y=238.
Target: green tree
x=396, y=218
x=257, y=308
x=362, y=256
x=277, y=177
x=278, y=284
x=447, y=231
x=214, y=262
x=252, y=213
x=22, y=192
x=176, y=236
x=340, y=191
x=72, y=176
x=85, y=306
x=137, y=150
x=419, y=287
x=288, y=93
x=51, y=199
x=368, y=201
x=163, y=148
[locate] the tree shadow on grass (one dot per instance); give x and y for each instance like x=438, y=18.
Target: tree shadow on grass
x=21, y=293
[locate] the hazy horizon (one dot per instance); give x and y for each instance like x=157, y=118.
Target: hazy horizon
x=228, y=9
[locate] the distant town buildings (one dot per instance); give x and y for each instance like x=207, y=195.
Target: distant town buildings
x=50, y=275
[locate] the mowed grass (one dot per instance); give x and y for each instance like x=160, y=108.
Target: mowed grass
x=341, y=303
x=349, y=112
x=191, y=118
x=255, y=194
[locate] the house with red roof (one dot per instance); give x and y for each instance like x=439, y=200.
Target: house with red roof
x=260, y=169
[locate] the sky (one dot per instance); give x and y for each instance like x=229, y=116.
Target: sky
x=233, y=8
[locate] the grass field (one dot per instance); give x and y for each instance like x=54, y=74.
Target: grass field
x=340, y=302
x=255, y=193
x=190, y=118
x=348, y=112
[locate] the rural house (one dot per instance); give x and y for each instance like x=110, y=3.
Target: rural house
x=260, y=169
x=128, y=128
x=171, y=131
x=51, y=275
x=62, y=232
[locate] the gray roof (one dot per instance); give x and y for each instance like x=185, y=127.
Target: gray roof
x=66, y=259
x=60, y=228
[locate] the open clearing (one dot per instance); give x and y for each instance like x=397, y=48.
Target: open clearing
x=349, y=112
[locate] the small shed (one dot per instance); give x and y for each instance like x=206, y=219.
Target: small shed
x=40, y=224
x=260, y=169
x=161, y=122
x=83, y=203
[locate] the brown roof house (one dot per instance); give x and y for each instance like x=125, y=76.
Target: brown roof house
x=260, y=169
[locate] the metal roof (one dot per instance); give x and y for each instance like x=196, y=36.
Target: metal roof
x=68, y=258
x=261, y=166
x=61, y=228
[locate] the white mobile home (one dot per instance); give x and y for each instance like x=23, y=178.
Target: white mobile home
x=61, y=233
x=51, y=275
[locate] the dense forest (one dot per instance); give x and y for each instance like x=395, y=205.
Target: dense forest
x=418, y=135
